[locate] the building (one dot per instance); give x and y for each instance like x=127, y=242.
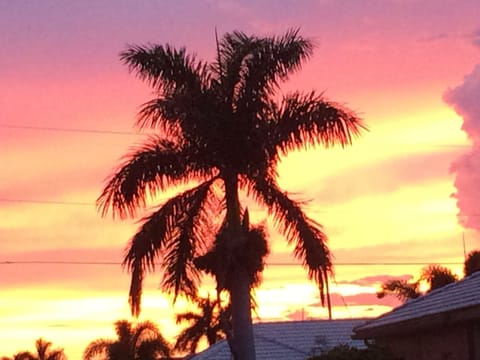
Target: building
x=441, y=325
x=291, y=340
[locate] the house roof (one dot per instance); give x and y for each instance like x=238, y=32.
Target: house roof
x=291, y=340
x=452, y=298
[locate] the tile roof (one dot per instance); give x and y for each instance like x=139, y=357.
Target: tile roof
x=292, y=340
x=452, y=297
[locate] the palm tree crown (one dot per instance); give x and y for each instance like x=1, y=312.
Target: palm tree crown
x=140, y=342
x=44, y=351
x=208, y=323
x=221, y=129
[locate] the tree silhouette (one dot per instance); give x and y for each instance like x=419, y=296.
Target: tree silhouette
x=472, y=263
x=221, y=129
x=209, y=322
x=435, y=276
x=44, y=351
x=140, y=342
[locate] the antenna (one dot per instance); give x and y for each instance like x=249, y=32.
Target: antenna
x=464, y=247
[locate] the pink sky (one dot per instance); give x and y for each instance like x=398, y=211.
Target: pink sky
x=408, y=67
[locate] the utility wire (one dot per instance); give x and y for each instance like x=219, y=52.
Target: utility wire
x=47, y=202
x=361, y=263
x=78, y=203
x=75, y=130
x=117, y=132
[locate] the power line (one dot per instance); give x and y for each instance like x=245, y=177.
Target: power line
x=117, y=132
x=78, y=203
x=74, y=130
x=361, y=263
x=47, y=202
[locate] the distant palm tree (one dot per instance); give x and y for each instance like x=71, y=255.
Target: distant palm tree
x=221, y=130
x=401, y=289
x=43, y=352
x=140, y=342
x=472, y=263
x=210, y=322
x=435, y=276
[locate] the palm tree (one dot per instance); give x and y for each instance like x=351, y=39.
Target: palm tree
x=208, y=323
x=221, y=130
x=140, y=342
x=435, y=276
x=43, y=352
x=472, y=263
x=401, y=289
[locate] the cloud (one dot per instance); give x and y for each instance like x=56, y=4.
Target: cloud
x=474, y=37
x=343, y=301
x=465, y=100
x=400, y=171
x=362, y=299
x=433, y=38
x=376, y=280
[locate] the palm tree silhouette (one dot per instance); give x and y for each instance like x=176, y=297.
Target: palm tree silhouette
x=140, y=342
x=221, y=130
x=208, y=323
x=435, y=276
x=43, y=352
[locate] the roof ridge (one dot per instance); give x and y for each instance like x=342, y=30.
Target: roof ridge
x=310, y=320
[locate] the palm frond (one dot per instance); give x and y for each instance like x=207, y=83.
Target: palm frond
x=146, y=170
x=97, y=349
x=437, y=276
x=189, y=337
x=186, y=317
x=166, y=69
x=24, y=355
x=42, y=347
x=310, y=242
x=147, y=338
x=164, y=114
x=233, y=49
x=157, y=348
x=309, y=120
x=251, y=67
x=56, y=355
x=175, y=231
x=206, y=323
x=401, y=289
x=273, y=61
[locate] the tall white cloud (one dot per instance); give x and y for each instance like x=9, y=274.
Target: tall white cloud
x=465, y=99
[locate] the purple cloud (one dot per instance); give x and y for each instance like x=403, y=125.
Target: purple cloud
x=376, y=280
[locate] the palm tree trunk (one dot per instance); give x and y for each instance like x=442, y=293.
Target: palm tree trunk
x=243, y=342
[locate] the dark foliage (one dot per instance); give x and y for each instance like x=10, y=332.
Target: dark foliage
x=212, y=322
x=472, y=263
x=43, y=351
x=140, y=342
x=435, y=276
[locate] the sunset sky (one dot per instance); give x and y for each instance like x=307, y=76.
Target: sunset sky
x=405, y=192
